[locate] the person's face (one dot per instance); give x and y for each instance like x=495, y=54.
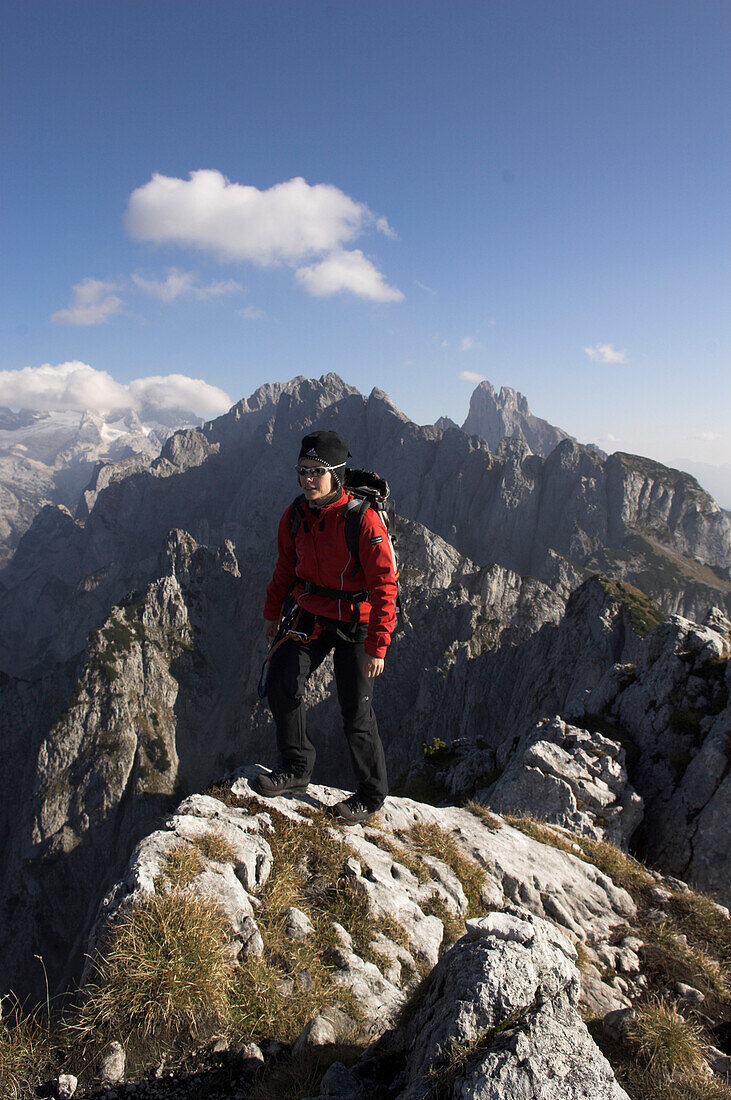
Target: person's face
x=314, y=487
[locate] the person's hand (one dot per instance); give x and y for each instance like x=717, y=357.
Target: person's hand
x=271, y=626
x=373, y=666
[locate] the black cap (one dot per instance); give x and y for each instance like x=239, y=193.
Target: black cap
x=329, y=448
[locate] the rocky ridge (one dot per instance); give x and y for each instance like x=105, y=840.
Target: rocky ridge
x=542, y=726
x=460, y=953
x=163, y=637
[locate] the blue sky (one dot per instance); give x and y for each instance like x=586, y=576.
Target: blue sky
x=536, y=193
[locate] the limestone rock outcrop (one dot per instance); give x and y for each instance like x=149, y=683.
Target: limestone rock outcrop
x=499, y=1009
x=498, y=1018
x=664, y=699
x=570, y=777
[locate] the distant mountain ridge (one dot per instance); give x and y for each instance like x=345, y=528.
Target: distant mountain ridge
x=550, y=518
x=48, y=457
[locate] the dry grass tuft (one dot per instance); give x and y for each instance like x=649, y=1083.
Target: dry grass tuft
x=277, y=994
x=216, y=847
x=454, y=926
x=620, y=867
x=182, y=866
x=667, y=1043
x=166, y=970
x=223, y=793
x=401, y=855
x=488, y=820
x=25, y=1052
x=437, y=842
x=675, y=960
x=544, y=834
x=699, y=918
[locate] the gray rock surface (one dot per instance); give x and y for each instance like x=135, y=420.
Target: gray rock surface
x=112, y=1064
x=498, y=1017
x=65, y=1086
x=665, y=699
x=570, y=777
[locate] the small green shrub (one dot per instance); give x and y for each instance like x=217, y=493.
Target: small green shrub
x=434, y=749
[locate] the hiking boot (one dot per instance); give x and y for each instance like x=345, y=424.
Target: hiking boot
x=353, y=811
x=280, y=783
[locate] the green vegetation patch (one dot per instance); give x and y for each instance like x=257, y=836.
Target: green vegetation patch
x=644, y=612
x=122, y=636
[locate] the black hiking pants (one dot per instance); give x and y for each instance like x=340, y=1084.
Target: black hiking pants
x=291, y=664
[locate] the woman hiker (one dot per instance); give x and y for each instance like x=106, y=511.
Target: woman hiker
x=328, y=598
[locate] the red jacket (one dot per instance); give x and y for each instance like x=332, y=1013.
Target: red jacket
x=322, y=557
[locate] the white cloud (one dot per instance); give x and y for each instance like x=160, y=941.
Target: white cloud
x=351, y=271
x=706, y=436
x=605, y=353
x=471, y=376
x=423, y=286
x=289, y=223
x=608, y=438
x=467, y=343
x=93, y=303
x=383, y=227
x=76, y=385
x=252, y=313
x=184, y=284
x=178, y=391
x=285, y=224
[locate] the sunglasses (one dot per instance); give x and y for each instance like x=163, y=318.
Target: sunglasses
x=311, y=471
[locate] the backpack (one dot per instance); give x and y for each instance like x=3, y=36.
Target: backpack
x=369, y=491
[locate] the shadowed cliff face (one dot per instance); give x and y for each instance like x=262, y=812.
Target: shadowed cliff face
x=165, y=702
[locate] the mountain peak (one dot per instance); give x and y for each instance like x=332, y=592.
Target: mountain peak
x=507, y=413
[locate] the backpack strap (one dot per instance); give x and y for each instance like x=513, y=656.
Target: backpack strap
x=354, y=511
x=296, y=519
